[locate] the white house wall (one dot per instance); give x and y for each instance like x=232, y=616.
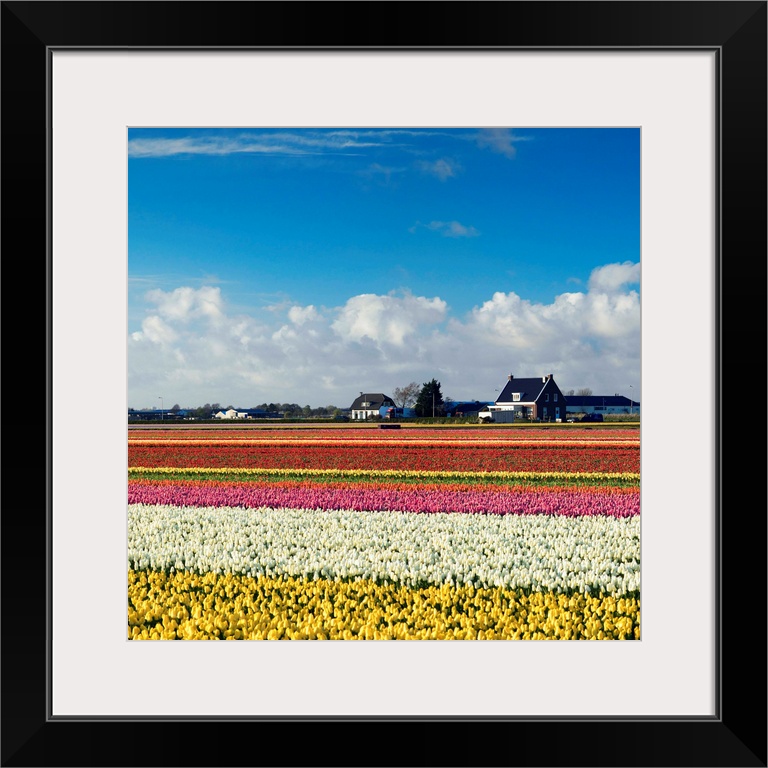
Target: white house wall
x=360, y=415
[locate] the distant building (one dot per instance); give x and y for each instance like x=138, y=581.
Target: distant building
x=156, y=414
x=394, y=412
x=605, y=404
x=537, y=399
x=368, y=405
x=246, y=413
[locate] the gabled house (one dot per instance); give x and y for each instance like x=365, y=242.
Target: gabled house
x=368, y=405
x=537, y=399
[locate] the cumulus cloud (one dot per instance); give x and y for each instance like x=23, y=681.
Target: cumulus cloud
x=193, y=349
x=517, y=323
x=156, y=330
x=613, y=277
x=185, y=304
x=181, y=306
x=387, y=319
x=300, y=315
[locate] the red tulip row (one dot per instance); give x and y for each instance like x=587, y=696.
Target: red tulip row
x=423, y=434
x=543, y=458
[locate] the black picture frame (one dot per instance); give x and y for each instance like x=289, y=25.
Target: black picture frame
x=736, y=736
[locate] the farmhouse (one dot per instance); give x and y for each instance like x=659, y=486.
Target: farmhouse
x=538, y=399
x=368, y=405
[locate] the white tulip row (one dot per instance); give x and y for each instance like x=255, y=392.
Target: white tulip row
x=539, y=552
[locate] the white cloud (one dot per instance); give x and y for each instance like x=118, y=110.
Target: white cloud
x=612, y=277
x=300, y=315
x=442, y=168
x=192, y=349
x=516, y=323
x=282, y=143
x=165, y=147
x=156, y=330
x=387, y=319
x=187, y=304
x=499, y=140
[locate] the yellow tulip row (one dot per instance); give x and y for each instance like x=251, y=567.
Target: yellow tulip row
x=191, y=606
x=388, y=473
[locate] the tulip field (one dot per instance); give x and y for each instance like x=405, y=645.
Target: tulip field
x=356, y=533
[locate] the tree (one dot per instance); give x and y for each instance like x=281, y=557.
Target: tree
x=430, y=400
x=569, y=393
x=585, y=391
x=176, y=408
x=405, y=397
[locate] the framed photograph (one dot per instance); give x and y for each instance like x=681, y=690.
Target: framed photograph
x=82, y=81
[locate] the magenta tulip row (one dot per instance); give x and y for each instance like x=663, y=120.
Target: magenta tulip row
x=561, y=502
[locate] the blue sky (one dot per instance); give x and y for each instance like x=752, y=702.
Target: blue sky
x=307, y=265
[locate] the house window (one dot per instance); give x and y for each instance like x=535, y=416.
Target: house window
x=516, y=397
x=557, y=412
x=555, y=397
x=546, y=398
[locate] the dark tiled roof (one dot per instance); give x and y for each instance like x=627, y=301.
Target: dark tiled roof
x=529, y=390
x=376, y=400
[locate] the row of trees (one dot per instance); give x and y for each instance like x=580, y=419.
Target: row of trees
x=295, y=411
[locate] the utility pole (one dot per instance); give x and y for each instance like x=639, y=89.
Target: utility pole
x=631, y=401
x=433, y=402
x=162, y=410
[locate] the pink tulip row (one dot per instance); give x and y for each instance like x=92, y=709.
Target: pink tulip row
x=565, y=503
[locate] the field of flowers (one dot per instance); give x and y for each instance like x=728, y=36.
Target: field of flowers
x=359, y=533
